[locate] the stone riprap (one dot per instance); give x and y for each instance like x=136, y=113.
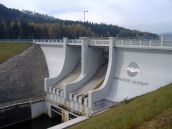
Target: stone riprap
x=23, y=76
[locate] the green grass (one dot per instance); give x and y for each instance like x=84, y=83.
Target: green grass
x=162, y=121
x=8, y=50
x=134, y=114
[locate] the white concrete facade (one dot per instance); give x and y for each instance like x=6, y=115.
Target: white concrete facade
x=91, y=61
x=54, y=55
x=68, y=59
x=135, y=67
x=37, y=109
x=154, y=71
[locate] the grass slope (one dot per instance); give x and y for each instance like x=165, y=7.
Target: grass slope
x=162, y=121
x=150, y=111
x=8, y=50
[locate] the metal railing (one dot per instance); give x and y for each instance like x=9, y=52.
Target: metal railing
x=78, y=41
x=54, y=41
x=99, y=42
x=64, y=106
x=106, y=42
x=144, y=43
x=48, y=41
x=22, y=101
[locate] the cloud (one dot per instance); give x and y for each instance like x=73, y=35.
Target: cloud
x=137, y=14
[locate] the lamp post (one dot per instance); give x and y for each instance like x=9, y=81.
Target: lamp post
x=84, y=22
x=84, y=14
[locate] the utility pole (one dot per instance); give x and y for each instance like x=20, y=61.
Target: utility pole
x=84, y=14
x=84, y=23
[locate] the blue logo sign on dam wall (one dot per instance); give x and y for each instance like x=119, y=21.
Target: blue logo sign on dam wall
x=132, y=69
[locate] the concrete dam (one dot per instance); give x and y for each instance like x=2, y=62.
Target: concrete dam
x=88, y=75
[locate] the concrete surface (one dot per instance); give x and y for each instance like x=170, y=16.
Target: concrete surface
x=54, y=56
x=95, y=82
x=71, y=77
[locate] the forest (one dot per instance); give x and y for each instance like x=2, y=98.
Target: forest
x=16, y=24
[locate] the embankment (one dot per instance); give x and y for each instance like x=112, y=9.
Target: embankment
x=22, y=77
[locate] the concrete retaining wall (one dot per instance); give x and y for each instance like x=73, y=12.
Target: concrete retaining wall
x=12, y=115
x=37, y=109
x=19, y=113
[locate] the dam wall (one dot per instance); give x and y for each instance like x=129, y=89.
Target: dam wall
x=61, y=60
x=91, y=60
x=135, y=67
x=139, y=71
x=97, y=97
x=132, y=71
x=54, y=55
x=70, y=58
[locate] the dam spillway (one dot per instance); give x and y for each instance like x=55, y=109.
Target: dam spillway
x=88, y=75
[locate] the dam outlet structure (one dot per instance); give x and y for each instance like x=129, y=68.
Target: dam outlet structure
x=88, y=75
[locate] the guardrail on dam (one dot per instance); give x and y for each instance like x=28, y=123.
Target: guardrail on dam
x=87, y=75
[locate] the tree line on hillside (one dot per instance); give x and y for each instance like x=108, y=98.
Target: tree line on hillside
x=15, y=24
x=14, y=29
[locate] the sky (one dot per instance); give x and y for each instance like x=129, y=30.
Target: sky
x=145, y=15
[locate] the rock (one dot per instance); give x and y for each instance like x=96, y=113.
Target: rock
x=23, y=76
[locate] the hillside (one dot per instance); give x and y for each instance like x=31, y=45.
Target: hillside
x=8, y=50
x=27, y=16
x=150, y=111
x=15, y=24
x=167, y=36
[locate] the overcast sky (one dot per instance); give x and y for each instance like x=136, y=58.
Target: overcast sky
x=146, y=15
